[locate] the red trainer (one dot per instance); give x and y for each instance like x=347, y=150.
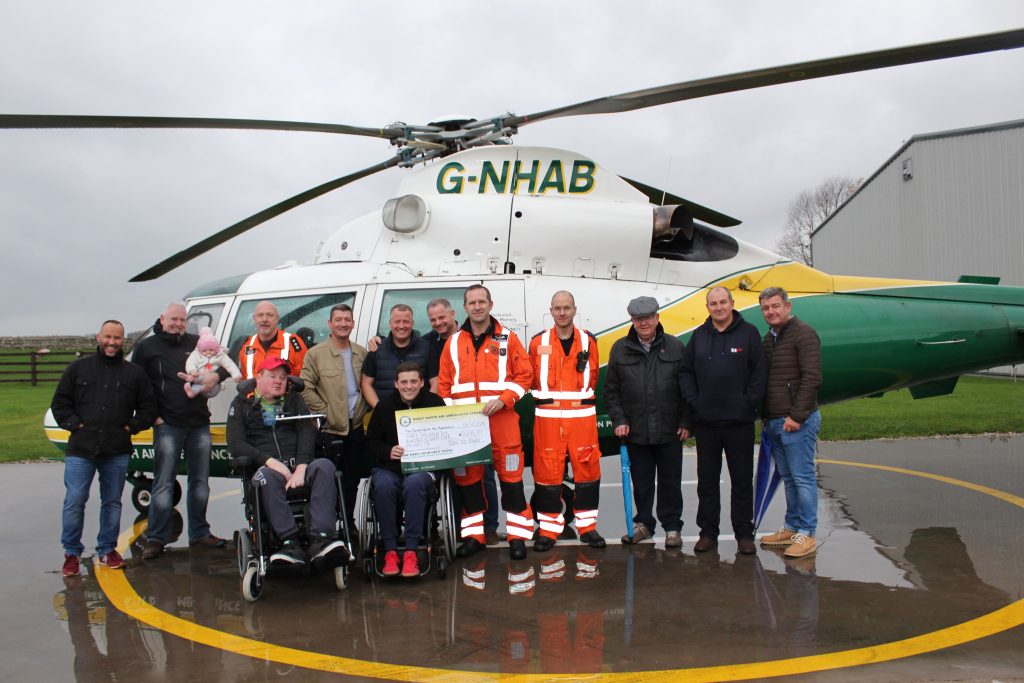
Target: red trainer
x=410, y=564
x=70, y=565
x=390, y=563
x=112, y=560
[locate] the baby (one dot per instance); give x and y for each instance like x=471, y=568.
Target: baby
x=208, y=356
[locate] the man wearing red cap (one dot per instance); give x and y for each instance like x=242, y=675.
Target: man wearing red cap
x=283, y=449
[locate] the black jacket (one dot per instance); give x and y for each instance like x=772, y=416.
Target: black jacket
x=251, y=442
x=793, y=358
x=723, y=374
x=162, y=355
x=382, y=432
x=641, y=389
x=103, y=395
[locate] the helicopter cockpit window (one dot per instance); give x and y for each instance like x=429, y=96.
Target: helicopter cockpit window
x=203, y=316
x=702, y=244
x=417, y=300
x=305, y=316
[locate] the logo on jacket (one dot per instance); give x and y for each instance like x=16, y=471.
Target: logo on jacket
x=736, y=349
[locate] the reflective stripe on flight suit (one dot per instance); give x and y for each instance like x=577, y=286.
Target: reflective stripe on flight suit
x=289, y=346
x=565, y=424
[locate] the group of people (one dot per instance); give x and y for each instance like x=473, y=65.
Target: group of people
x=657, y=393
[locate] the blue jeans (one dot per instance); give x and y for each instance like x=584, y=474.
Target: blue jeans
x=394, y=493
x=78, y=474
x=169, y=441
x=794, y=458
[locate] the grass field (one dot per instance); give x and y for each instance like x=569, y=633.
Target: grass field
x=979, y=405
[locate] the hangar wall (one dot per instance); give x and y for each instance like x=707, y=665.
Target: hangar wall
x=960, y=211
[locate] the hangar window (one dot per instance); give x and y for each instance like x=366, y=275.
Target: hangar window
x=305, y=316
x=699, y=244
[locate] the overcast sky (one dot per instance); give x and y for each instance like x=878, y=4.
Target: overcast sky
x=84, y=210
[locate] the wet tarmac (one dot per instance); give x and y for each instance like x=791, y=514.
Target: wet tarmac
x=918, y=577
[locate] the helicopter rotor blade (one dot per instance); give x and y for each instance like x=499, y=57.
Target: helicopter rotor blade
x=759, y=78
x=203, y=246
x=701, y=213
x=76, y=121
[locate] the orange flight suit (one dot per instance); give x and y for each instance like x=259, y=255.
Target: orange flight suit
x=498, y=368
x=565, y=423
x=289, y=346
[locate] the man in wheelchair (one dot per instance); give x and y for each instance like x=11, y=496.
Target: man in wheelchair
x=392, y=490
x=283, y=450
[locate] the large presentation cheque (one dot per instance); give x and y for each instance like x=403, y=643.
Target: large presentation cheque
x=443, y=438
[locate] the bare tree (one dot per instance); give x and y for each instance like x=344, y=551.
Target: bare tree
x=808, y=210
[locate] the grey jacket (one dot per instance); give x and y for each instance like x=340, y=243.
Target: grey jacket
x=641, y=388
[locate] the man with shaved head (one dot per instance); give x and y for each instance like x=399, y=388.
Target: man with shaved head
x=270, y=340
x=723, y=381
x=565, y=371
x=183, y=426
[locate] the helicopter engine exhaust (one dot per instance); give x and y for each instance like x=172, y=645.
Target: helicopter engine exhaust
x=670, y=221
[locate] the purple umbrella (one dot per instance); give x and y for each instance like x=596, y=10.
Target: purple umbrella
x=767, y=479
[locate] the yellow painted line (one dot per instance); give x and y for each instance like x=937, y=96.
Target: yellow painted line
x=121, y=594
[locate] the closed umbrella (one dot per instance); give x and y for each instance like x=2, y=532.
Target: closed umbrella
x=767, y=479
x=627, y=490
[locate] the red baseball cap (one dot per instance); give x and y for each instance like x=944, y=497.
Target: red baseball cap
x=271, y=363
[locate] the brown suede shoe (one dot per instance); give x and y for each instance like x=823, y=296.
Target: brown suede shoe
x=782, y=537
x=210, y=541
x=747, y=546
x=704, y=544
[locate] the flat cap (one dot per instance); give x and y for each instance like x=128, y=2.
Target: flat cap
x=642, y=306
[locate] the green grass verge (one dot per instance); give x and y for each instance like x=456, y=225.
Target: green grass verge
x=23, y=407
x=979, y=405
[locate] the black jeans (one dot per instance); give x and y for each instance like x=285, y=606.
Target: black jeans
x=348, y=453
x=663, y=461
x=738, y=443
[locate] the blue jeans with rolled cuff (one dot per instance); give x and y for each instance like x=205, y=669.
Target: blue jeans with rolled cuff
x=794, y=459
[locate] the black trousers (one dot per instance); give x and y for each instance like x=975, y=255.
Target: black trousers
x=662, y=462
x=348, y=452
x=738, y=443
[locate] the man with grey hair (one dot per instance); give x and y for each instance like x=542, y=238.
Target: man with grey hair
x=793, y=352
x=183, y=426
x=722, y=381
x=641, y=393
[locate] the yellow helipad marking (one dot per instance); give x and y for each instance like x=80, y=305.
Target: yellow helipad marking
x=123, y=596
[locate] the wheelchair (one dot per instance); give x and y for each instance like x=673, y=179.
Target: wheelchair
x=257, y=542
x=439, y=534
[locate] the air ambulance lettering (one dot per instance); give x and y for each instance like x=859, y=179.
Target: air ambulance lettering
x=511, y=177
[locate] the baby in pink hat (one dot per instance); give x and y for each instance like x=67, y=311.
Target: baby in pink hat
x=208, y=356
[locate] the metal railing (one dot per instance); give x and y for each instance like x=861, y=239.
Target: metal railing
x=41, y=365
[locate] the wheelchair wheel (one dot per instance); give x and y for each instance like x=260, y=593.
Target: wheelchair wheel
x=364, y=518
x=449, y=519
x=442, y=566
x=341, y=577
x=243, y=544
x=252, y=584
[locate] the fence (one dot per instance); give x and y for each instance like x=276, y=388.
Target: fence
x=37, y=366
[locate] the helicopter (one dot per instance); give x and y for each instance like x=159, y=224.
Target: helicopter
x=528, y=221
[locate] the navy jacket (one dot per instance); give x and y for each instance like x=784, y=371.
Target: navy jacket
x=723, y=373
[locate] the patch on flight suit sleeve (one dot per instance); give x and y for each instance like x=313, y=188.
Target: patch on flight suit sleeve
x=296, y=344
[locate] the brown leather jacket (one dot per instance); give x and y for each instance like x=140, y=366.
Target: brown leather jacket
x=794, y=371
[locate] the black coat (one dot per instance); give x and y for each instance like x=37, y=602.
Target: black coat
x=251, y=442
x=162, y=355
x=382, y=432
x=641, y=389
x=96, y=398
x=723, y=374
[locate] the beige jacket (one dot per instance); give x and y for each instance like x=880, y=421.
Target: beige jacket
x=323, y=372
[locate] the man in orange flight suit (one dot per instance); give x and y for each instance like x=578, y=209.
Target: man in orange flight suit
x=565, y=370
x=485, y=363
x=270, y=340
